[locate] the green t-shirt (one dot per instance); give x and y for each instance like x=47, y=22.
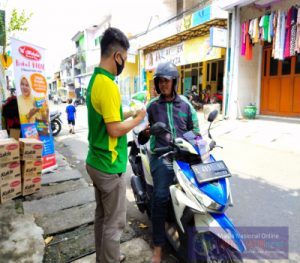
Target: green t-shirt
x=106, y=154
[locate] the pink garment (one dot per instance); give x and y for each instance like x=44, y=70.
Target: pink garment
x=248, y=52
x=288, y=28
x=243, y=47
x=275, y=33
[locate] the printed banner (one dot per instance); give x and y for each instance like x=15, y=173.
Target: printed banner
x=172, y=53
x=31, y=91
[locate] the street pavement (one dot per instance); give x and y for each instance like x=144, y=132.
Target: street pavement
x=262, y=154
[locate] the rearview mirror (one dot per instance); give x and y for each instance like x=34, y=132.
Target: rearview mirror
x=212, y=115
x=158, y=128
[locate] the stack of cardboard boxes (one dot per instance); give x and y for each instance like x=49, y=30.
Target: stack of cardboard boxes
x=31, y=165
x=10, y=183
x=20, y=167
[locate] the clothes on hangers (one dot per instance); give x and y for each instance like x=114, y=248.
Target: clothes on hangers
x=293, y=31
x=243, y=36
x=297, y=45
x=281, y=28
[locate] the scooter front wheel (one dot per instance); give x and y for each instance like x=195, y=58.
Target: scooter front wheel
x=206, y=247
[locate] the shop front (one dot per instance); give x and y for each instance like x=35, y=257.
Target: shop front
x=199, y=64
x=265, y=59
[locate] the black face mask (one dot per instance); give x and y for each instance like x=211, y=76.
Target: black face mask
x=120, y=67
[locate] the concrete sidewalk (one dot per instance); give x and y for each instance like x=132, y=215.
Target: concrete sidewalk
x=272, y=132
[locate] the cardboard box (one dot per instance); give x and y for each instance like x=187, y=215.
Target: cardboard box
x=9, y=171
x=10, y=189
x=30, y=149
x=31, y=185
x=3, y=134
x=31, y=168
x=15, y=133
x=9, y=150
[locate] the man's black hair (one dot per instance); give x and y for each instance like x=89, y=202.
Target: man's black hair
x=113, y=39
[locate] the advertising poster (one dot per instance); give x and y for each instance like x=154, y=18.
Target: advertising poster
x=31, y=92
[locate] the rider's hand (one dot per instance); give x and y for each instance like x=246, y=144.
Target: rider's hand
x=146, y=131
x=144, y=135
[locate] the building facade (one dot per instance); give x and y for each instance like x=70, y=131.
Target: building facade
x=195, y=39
x=264, y=72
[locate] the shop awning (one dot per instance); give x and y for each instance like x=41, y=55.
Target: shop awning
x=197, y=31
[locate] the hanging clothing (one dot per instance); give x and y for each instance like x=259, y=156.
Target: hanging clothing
x=271, y=33
x=261, y=29
x=282, y=35
x=278, y=30
x=288, y=31
x=293, y=32
x=297, y=47
x=243, y=35
x=275, y=34
x=251, y=28
x=256, y=31
x=248, y=52
x=266, y=27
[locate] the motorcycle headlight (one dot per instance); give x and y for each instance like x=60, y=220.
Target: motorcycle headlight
x=202, y=198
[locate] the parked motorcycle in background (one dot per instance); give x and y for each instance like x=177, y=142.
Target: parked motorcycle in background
x=197, y=227
x=194, y=98
x=56, y=122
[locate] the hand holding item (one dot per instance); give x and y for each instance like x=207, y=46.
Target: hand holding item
x=140, y=114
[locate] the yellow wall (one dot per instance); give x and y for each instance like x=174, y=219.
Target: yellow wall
x=198, y=49
x=128, y=79
x=149, y=83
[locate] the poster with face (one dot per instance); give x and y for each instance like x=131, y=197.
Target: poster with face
x=31, y=92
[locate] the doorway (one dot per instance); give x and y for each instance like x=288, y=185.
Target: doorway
x=215, y=75
x=280, y=85
x=191, y=75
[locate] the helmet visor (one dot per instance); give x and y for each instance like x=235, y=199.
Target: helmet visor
x=164, y=77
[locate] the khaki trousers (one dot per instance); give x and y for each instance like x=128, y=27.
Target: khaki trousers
x=110, y=214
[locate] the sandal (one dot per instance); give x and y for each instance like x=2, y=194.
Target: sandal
x=122, y=257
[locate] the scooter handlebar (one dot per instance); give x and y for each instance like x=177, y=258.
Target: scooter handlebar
x=163, y=150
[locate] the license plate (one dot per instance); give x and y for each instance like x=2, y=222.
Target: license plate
x=206, y=172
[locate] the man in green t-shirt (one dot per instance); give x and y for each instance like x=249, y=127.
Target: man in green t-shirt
x=107, y=156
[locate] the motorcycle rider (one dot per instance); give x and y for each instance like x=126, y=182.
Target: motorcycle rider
x=180, y=116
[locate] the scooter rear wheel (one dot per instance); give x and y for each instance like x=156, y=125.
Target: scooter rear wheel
x=55, y=127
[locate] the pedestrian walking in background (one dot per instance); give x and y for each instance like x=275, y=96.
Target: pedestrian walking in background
x=107, y=156
x=71, y=115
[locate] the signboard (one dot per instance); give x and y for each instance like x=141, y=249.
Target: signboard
x=199, y=49
x=218, y=37
x=188, y=52
x=173, y=53
x=201, y=16
x=31, y=91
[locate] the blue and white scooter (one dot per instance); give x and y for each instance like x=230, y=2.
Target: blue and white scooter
x=197, y=226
